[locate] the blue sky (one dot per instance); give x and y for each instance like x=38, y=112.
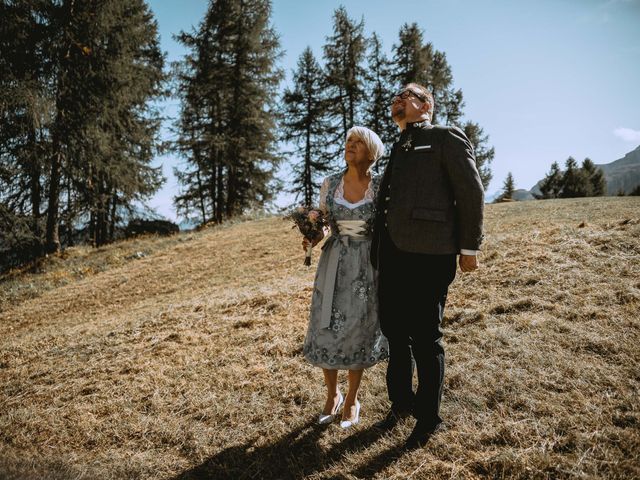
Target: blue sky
x=545, y=79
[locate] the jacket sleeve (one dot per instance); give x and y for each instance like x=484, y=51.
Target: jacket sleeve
x=460, y=165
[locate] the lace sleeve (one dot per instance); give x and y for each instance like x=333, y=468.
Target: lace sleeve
x=324, y=189
x=372, y=190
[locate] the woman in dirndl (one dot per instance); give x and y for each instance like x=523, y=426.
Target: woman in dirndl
x=344, y=330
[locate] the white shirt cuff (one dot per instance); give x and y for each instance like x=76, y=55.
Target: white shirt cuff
x=468, y=252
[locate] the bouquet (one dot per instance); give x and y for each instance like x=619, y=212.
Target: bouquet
x=310, y=221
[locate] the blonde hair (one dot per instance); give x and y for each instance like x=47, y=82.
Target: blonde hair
x=370, y=139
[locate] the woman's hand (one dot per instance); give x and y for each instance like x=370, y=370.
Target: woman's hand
x=306, y=242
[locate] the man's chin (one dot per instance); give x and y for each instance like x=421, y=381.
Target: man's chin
x=399, y=115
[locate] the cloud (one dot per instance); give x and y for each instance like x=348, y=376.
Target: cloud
x=627, y=134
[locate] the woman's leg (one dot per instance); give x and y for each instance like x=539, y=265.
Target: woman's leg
x=333, y=396
x=349, y=411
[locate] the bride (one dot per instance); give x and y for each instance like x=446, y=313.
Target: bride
x=344, y=330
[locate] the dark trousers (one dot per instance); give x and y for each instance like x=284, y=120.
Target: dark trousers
x=412, y=295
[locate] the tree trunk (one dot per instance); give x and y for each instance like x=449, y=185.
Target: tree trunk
x=308, y=184
x=35, y=189
x=103, y=207
x=52, y=243
x=231, y=190
x=201, y=192
x=219, y=193
x=92, y=226
x=112, y=216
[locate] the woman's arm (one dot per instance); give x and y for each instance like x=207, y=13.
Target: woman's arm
x=324, y=189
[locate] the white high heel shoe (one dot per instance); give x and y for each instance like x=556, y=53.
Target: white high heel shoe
x=324, y=419
x=356, y=419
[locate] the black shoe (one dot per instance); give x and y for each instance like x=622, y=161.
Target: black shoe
x=421, y=435
x=392, y=419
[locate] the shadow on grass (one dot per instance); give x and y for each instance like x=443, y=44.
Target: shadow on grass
x=295, y=455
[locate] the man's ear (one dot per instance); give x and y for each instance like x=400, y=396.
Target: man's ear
x=425, y=108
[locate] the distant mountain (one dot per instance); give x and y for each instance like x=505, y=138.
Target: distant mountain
x=519, y=195
x=522, y=195
x=623, y=173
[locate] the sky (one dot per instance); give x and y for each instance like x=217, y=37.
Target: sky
x=545, y=80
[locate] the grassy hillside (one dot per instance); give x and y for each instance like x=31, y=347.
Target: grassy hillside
x=184, y=361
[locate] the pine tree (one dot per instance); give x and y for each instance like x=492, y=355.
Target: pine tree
x=574, y=181
x=25, y=104
x=412, y=59
x=227, y=85
x=202, y=79
x=508, y=187
x=197, y=177
x=128, y=62
x=597, y=182
x=379, y=95
x=344, y=54
x=415, y=61
x=105, y=134
x=252, y=136
x=448, y=102
x=305, y=124
x=551, y=186
x=82, y=74
x=483, y=153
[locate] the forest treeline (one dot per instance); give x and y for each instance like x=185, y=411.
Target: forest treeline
x=585, y=181
x=80, y=82
x=78, y=131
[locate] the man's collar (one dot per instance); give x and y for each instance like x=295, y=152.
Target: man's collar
x=419, y=124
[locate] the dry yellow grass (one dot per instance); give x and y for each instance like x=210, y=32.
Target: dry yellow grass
x=187, y=363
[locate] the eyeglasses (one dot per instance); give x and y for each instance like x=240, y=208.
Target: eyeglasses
x=404, y=94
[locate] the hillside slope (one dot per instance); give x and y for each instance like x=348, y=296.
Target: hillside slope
x=187, y=363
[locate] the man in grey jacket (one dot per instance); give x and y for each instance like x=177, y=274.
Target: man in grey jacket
x=428, y=211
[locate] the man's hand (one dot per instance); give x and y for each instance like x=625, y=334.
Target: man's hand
x=468, y=263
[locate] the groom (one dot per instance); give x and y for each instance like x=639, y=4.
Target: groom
x=428, y=210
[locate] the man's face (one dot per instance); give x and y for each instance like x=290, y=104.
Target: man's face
x=406, y=106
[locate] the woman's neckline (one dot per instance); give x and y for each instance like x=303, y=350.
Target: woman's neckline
x=359, y=202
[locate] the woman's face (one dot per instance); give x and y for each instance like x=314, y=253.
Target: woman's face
x=356, y=152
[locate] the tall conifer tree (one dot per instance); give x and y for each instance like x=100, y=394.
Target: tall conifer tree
x=508, y=187
x=379, y=94
x=25, y=105
x=483, y=152
x=575, y=182
x=306, y=125
x=597, y=181
x=551, y=185
x=412, y=58
x=227, y=86
x=90, y=69
x=344, y=54
x=419, y=62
